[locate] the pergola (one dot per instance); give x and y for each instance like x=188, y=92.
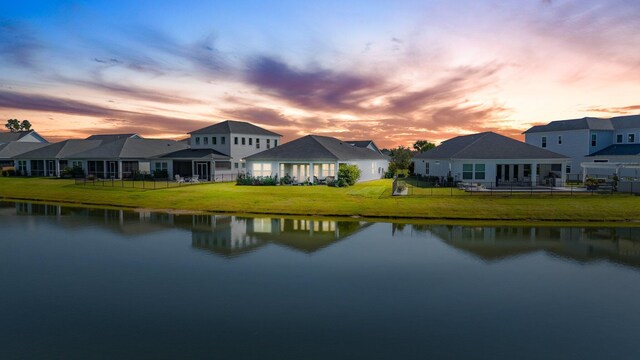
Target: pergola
x=607, y=165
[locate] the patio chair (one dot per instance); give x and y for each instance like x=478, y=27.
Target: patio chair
x=179, y=180
x=195, y=179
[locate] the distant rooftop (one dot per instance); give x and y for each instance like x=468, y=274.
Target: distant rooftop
x=591, y=123
x=316, y=147
x=235, y=127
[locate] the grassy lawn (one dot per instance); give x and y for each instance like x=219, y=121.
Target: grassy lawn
x=370, y=199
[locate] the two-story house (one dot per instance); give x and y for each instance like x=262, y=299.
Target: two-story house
x=235, y=139
x=588, y=139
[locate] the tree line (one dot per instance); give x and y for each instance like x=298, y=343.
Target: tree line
x=15, y=125
x=400, y=162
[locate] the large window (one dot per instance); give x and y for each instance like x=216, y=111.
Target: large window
x=261, y=169
x=22, y=167
x=467, y=171
x=161, y=165
x=480, y=174
x=77, y=163
x=594, y=139
x=631, y=138
x=544, y=141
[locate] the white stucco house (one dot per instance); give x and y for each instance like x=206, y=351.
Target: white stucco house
x=492, y=158
x=314, y=156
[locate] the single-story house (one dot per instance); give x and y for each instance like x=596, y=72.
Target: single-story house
x=316, y=157
x=9, y=150
x=208, y=164
x=490, y=157
x=51, y=159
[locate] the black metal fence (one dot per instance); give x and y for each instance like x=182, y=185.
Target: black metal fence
x=424, y=187
x=150, y=183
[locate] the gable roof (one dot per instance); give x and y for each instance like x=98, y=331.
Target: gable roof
x=591, y=123
x=14, y=148
x=235, y=127
x=130, y=148
x=626, y=122
x=61, y=149
x=315, y=147
x=364, y=144
x=113, y=137
x=618, y=150
x=6, y=137
x=487, y=145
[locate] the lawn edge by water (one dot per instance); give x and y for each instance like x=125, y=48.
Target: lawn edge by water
x=366, y=201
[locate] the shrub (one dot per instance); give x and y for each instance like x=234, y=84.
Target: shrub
x=72, y=172
x=286, y=180
x=243, y=179
x=161, y=174
x=349, y=173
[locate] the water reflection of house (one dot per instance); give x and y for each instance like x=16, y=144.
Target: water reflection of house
x=620, y=245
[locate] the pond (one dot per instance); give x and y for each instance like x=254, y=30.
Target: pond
x=79, y=283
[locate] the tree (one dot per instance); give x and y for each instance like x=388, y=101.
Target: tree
x=25, y=126
x=423, y=145
x=13, y=125
x=401, y=158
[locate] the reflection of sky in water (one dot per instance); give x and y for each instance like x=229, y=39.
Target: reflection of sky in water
x=80, y=282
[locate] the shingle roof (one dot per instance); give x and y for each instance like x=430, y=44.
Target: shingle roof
x=6, y=137
x=315, y=147
x=574, y=124
x=130, y=148
x=195, y=154
x=235, y=127
x=619, y=149
x=626, y=122
x=61, y=149
x=487, y=145
x=112, y=137
x=15, y=148
x=363, y=144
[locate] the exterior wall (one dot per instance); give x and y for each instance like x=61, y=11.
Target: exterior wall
x=604, y=139
x=439, y=168
x=369, y=169
x=576, y=144
x=239, y=151
x=625, y=136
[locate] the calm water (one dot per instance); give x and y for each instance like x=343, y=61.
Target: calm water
x=86, y=283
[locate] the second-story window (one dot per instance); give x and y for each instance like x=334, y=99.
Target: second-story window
x=214, y=140
x=619, y=138
x=222, y=140
x=250, y=141
x=268, y=143
x=594, y=139
x=631, y=138
x=197, y=140
x=257, y=143
x=235, y=140
x=206, y=140
x=559, y=139
x=275, y=143
x=544, y=141
x=244, y=141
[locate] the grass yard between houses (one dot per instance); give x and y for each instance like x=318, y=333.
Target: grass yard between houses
x=370, y=199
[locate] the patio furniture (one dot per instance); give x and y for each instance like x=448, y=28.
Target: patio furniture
x=179, y=180
x=195, y=179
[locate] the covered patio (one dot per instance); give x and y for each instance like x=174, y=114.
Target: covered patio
x=307, y=171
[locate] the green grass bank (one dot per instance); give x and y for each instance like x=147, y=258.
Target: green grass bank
x=371, y=199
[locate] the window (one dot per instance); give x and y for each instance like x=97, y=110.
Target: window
x=223, y=165
x=222, y=140
x=544, y=141
x=261, y=169
x=480, y=171
x=161, y=165
x=206, y=140
x=275, y=143
x=244, y=165
x=268, y=143
x=594, y=139
x=526, y=170
x=250, y=141
x=235, y=140
x=559, y=139
x=77, y=163
x=619, y=138
x=467, y=171
x=214, y=140
x=197, y=140
x=257, y=143
x=426, y=168
x=244, y=141
x=235, y=165
x=328, y=170
x=556, y=167
x=22, y=167
x=568, y=168
x=631, y=138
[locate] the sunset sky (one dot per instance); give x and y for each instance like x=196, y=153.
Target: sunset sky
x=392, y=71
